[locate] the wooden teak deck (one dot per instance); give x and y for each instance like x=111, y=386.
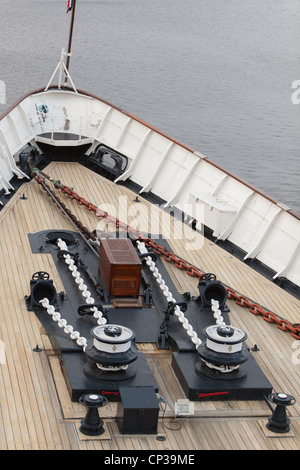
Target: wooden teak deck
x=36, y=412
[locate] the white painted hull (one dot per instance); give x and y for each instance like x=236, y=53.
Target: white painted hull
x=263, y=228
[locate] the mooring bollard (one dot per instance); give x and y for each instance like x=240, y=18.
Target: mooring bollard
x=279, y=422
x=92, y=425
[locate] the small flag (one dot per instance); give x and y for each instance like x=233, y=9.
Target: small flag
x=70, y=5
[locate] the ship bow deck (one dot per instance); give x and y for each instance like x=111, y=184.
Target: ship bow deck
x=36, y=410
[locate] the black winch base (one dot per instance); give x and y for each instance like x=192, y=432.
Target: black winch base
x=146, y=321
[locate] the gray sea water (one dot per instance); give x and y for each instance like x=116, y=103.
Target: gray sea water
x=216, y=75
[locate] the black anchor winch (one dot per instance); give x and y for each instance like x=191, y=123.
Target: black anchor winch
x=106, y=362
x=223, y=352
x=112, y=353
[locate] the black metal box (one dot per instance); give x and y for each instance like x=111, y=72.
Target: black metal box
x=137, y=412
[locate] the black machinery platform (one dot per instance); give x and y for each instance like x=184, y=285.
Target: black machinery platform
x=146, y=321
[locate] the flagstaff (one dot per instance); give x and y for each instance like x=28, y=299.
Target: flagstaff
x=71, y=7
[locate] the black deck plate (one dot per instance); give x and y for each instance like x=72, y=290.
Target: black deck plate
x=144, y=322
x=79, y=383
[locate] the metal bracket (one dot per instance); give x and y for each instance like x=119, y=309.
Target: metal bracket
x=147, y=296
x=142, y=256
x=162, y=342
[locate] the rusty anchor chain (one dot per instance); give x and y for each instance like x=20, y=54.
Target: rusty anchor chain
x=193, y=271
x=74, y=220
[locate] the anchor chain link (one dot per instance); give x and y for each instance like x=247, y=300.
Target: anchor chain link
x=62, y=323
x=84, y=230
x=169, y=296
x=193, y=271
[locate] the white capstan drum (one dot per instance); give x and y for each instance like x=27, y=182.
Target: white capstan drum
x=112, y=351
x=223, y=351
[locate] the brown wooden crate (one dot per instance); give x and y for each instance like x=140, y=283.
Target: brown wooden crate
x=120, y=267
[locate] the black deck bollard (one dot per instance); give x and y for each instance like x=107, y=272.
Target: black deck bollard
x=92, y=425
x=210, y=288
x=279, y=422
x=41, y=287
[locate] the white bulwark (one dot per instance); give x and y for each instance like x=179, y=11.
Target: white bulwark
x=233, y=210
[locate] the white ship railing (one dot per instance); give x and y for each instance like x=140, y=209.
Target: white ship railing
x=57, y=123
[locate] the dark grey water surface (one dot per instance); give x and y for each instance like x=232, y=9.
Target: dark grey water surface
x=216, y=75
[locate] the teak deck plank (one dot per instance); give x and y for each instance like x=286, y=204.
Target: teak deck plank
x=35, y=408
